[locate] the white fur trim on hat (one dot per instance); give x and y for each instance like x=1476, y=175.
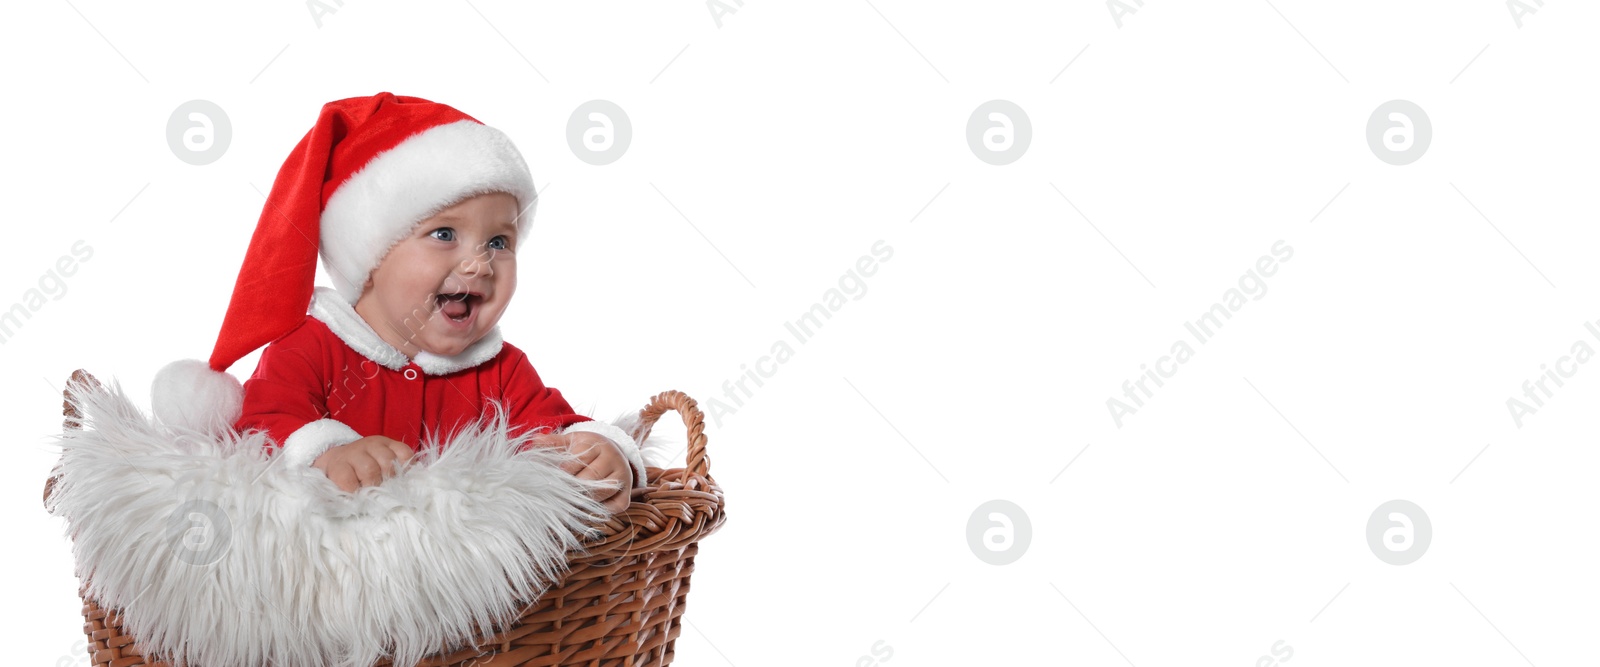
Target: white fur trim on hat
x=188, y=394
x=428, y=172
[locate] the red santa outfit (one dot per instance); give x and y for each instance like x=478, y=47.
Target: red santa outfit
x=332, y=380
x=356, y=184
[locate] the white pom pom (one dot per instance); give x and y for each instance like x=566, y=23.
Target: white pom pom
x=188, y=394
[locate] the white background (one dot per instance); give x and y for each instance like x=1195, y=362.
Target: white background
x=1229, y=513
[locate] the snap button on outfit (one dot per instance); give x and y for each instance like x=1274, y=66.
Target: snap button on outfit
x=411, y=373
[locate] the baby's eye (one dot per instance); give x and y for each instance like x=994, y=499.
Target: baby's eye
x=500, y=243
x=444, y=234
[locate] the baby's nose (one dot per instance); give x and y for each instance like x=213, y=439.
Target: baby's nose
x=478, y=264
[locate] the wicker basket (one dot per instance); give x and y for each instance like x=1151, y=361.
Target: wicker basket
x=619, y=603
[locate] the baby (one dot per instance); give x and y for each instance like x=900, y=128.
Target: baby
x=418, y=210
x=438, y=292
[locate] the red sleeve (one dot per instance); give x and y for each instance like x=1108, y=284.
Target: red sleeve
x=284, y=394
x=529, y=403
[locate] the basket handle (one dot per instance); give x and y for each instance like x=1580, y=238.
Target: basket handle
x=70, y=419
x=698, y=462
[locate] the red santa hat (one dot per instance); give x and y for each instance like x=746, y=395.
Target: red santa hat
x=355, y=185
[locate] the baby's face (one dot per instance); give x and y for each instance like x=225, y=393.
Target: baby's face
x=444, y=286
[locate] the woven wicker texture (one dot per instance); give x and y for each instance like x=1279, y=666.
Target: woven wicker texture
x=620, y=604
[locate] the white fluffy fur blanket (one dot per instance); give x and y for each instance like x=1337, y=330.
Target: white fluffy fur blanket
x=221, y=556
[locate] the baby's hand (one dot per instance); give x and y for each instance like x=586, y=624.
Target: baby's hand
x=598, y=458
x=365, y=462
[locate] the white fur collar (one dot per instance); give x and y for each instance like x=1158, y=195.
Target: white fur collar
x=332, y=310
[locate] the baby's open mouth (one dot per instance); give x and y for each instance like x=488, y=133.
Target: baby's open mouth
x=458, y=307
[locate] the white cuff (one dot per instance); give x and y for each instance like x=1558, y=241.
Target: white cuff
x=310, y=441
x=630, y=449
